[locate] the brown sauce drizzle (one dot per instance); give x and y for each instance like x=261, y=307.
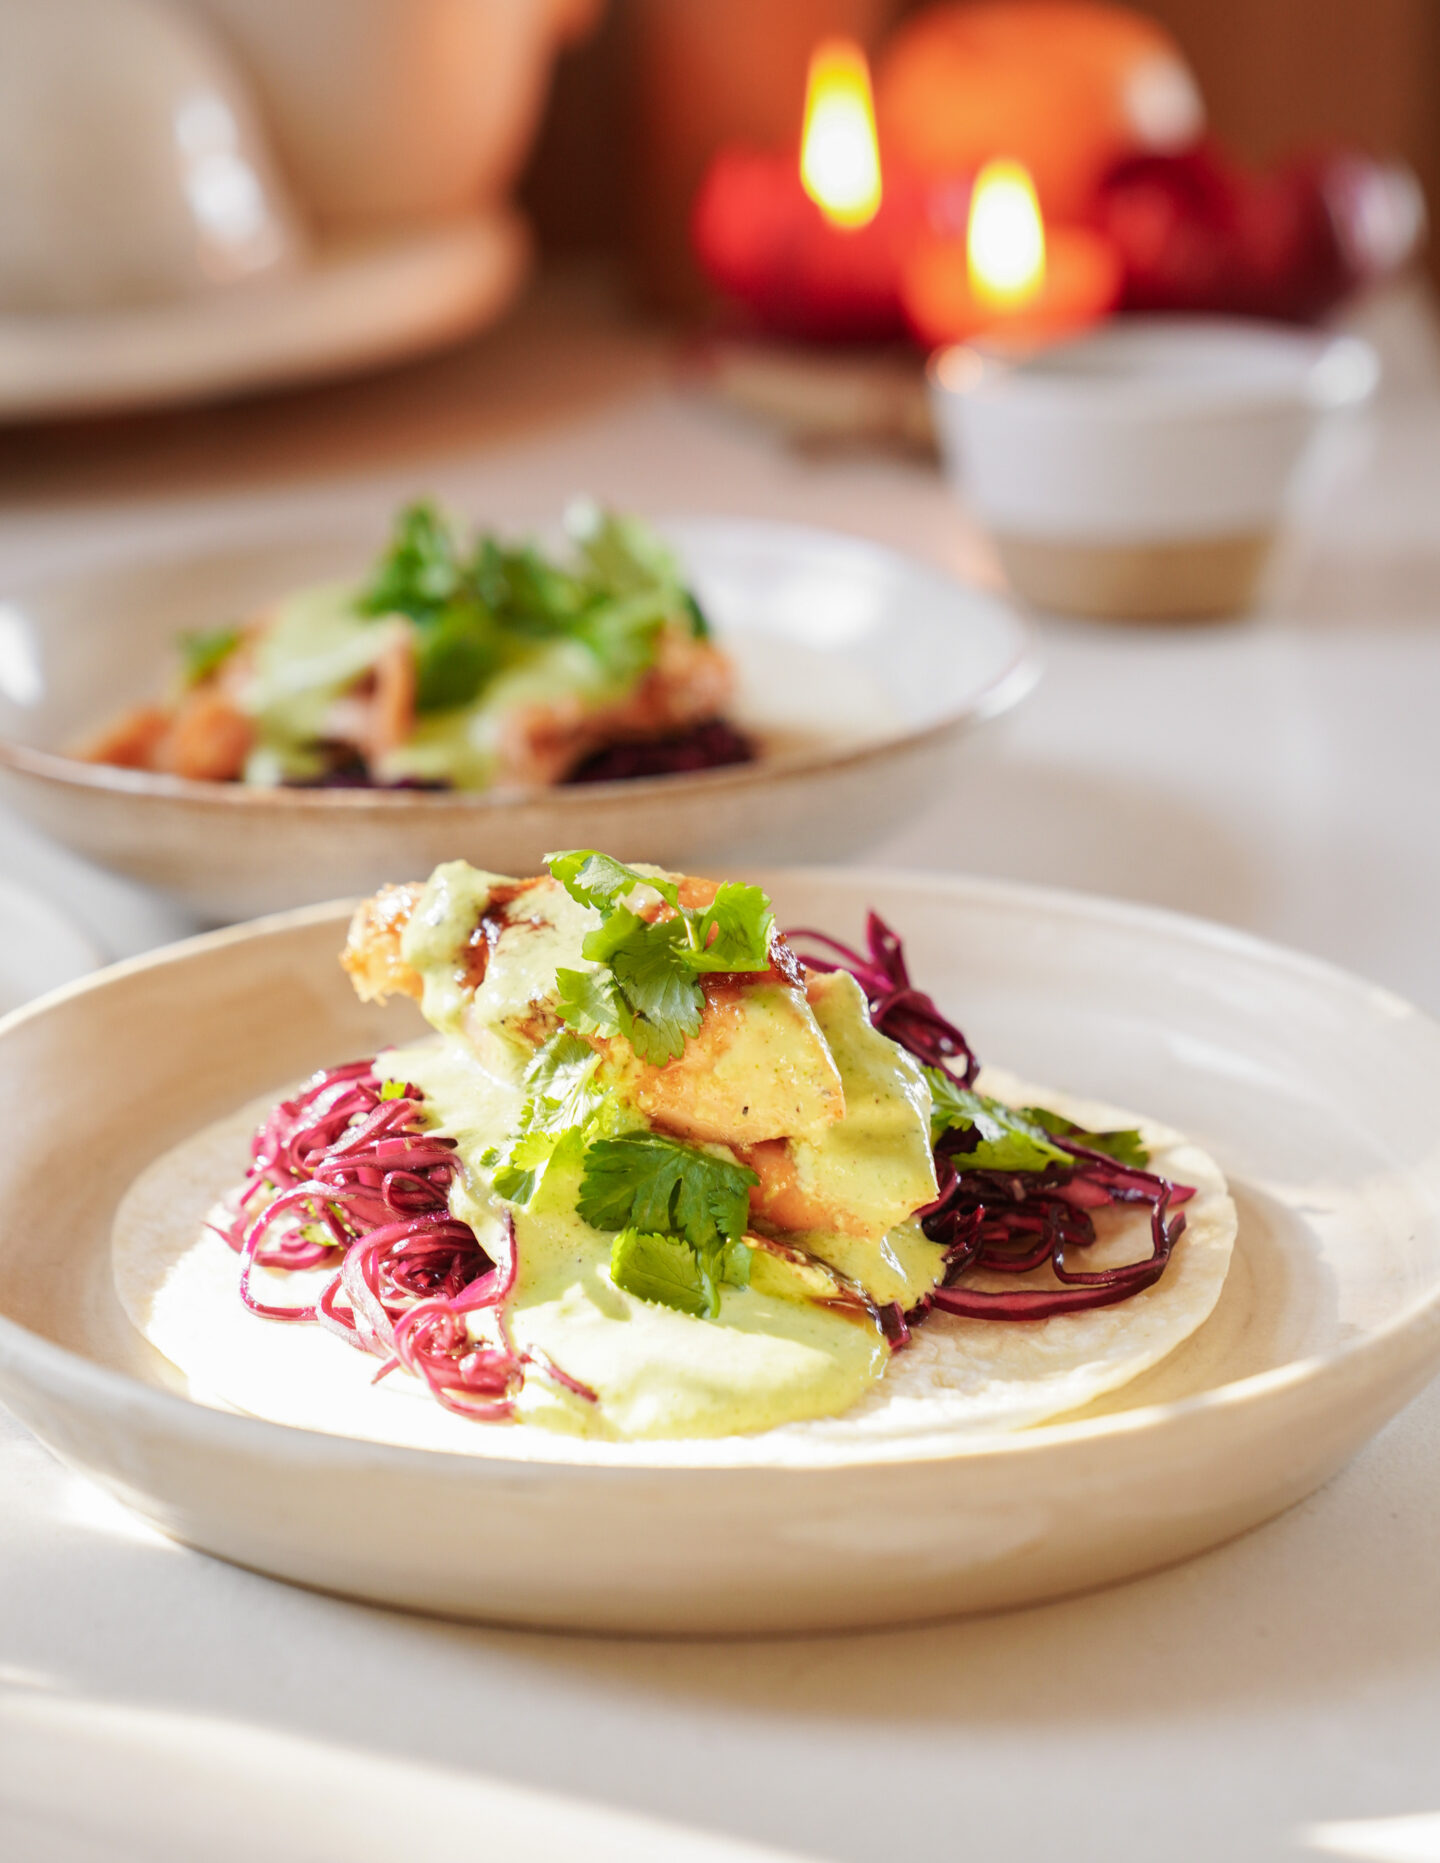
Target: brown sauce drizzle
x=492, y=921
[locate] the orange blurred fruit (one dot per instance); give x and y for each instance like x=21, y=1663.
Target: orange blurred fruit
x=1067, y=87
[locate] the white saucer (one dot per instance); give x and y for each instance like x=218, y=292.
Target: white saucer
x=356, y=306
x=39, y=948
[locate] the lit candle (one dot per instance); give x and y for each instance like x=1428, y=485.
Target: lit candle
x=1009, y=278
x=839, y=148
x=811, y=242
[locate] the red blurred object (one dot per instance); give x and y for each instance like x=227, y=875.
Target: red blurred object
x=765, y=243
x=1082, y=285
x=1197, y=233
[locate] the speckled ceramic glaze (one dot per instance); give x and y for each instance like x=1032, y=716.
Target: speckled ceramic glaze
x=1329, y=1322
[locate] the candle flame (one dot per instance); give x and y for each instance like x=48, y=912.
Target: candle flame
x=839, y=149
x=1005, y=240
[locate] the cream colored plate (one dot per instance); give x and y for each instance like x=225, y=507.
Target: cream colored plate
x=1318, y=1094
x=862, y=674
x=358, y=306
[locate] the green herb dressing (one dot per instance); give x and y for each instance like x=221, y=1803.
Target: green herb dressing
x=519, y=986
x=767, y=1359
x=319, y=644
x=775, y=1353
x=876, y=1164
x=313, y=652
x=461, y=746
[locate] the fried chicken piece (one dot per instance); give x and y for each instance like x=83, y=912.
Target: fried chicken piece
x=371, y=958
x=205, y=737
x=131, y=740
x=209, y=737
x=690, y=681
x=759, y=1067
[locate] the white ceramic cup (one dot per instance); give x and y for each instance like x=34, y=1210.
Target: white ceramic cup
x=1143, y=470
x=399, y=110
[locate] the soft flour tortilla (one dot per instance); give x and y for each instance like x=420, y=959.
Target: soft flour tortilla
x=177, y=1281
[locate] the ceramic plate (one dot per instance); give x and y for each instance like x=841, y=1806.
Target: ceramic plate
x=862, y=673
x=357, y=306
x=1318, y=1094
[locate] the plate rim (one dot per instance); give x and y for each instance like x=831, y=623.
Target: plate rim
x=493, y=242
x=1019, y=676
x=296, y=1443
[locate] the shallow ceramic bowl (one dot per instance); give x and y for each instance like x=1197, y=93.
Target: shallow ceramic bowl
x=862, y=672
x=1329, y=1322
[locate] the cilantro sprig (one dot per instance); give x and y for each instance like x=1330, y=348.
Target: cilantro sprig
x=205, y=653
x=1125, y=1147
x=564, y=1104
x=665, y=1272
x=1012, y=1138
x=647, y=985
x=476, y=607
x=679, y=1215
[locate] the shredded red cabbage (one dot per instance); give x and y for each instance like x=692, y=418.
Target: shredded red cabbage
x=1011, y=1223
x=713, y=745
x=342, y=1176
x=992, y=1221
x=897, y=1008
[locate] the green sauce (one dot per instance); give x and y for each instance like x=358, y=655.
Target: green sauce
x=436, y=938
x=767, y=1359
x=461, y=745
x=319, y=645
x=875, y=1166
x=780, y=1350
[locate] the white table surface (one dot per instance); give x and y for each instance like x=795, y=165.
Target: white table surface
x=1277, y=1698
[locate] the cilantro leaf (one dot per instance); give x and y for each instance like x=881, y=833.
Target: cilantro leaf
x=520, y=1168
x=476, y=607
x=621, y=553
x=626, y=557
x=588, y=1001
x=457, y=652
x=419, y=572
x=610, y=934
x=393, y=1090
x=1125, y=1147
x=622, y=636
x=699, y=624
x=661, y=1002
x=666, y=1271
x=1017, y=1139
x=537, y=597
x=205, y=653
x=563, y=1104
x=560, y=1075
x=735, y=1260
x=598, y=880
x=1006, y=1140
x=655, y=965
x=735, y=929
x=643, y=994
x=643, y=1180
